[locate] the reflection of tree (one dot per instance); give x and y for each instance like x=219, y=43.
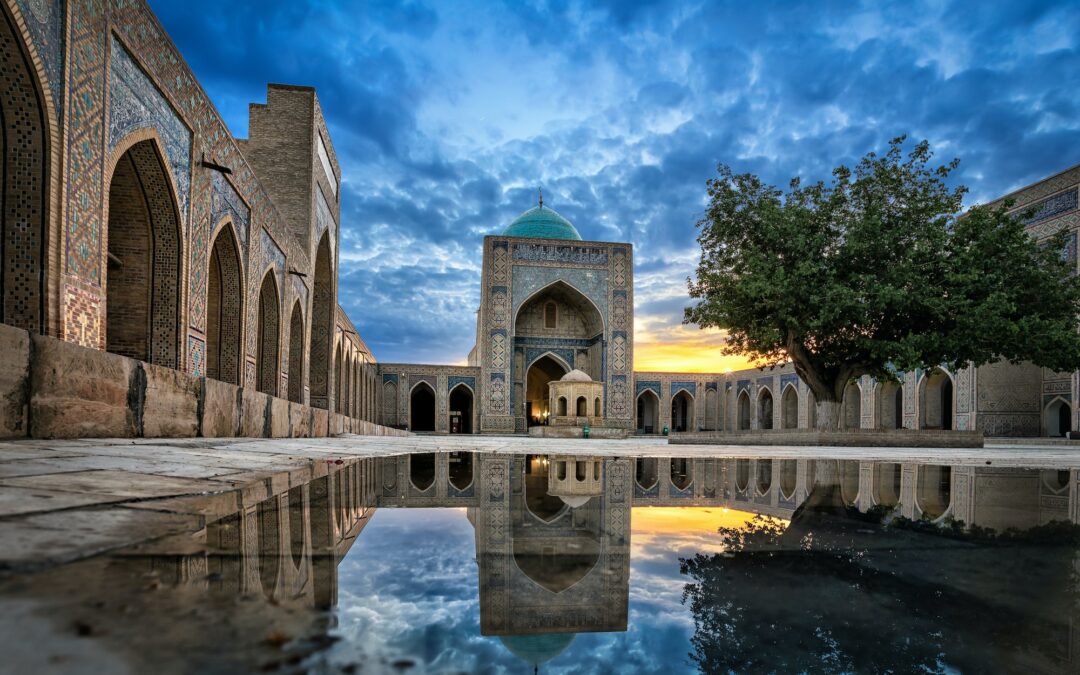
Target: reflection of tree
x=837, y=591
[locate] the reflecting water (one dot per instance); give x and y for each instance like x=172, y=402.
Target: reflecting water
x=469, y=562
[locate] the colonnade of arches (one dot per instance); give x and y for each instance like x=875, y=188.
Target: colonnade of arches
x=756, y=407
x=423, y=408
x=355, y=381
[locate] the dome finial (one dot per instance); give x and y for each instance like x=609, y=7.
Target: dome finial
x=541, y=190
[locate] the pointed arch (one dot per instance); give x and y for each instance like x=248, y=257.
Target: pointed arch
x=322, y=324
x=390, y=403
x=560, y=289
x=682, y=411
x=224, y=307
x=789, y=407
x=144, y=253
x=648, y=412
x=765, y=408
x=743, y=410
x=851, y=406
x=27, y=178
x=461, y=401
x=267, y=351
x=422, y=407
x=890, y=405
x=296, y=354
x=540, y=372
x=936, y=400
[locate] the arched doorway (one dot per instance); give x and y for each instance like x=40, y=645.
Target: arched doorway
x=742, y=474
x=461, y=405
x=648, y=412
x=887, y=484
x=811, y=410
x=682, y=411
x=461, y=469
x=296, y=355
x=744, y=411
x=765, y=409
x=789, y=477
x=542, y=371
x=890, y=406
x=266, y=353
x=422, y=408
x=711, y=409
x=764, y=476
x=1057, y=418
x=936, y=401
x=849, y=482
x=789, y=408
x=538, y=501
x=851, y=406
x=297, y=533
x=933, y=491
x=142, y=314
x=422, y=470
x=337, y=379
x=582, y=407
x=24, y=199
x=682, y=474
x=322, y=325
x=224, y=308
x=268, y=526
x=645, y=472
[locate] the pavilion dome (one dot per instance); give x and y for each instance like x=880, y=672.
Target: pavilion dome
x=541, y=222
x=576, y=375
x=537, y=649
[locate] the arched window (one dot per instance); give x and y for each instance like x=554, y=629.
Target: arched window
x=562, y=406
x=580, y=471
x=551, y=315
x=582, y=407
x=596, y=407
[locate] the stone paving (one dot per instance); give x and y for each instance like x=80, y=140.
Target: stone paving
x=64, y=500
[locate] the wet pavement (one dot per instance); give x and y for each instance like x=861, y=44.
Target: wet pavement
x=357, y=555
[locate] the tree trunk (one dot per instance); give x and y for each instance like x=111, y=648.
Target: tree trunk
x=827, y=415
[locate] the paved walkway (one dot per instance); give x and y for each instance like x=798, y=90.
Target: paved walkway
x=67, y=499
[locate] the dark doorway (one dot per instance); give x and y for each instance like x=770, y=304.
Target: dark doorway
x=422, y=408
x=461, y=402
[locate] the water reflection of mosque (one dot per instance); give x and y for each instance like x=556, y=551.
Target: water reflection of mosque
x=553, y=532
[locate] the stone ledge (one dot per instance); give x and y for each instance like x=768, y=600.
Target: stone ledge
x=865, y=438
x=576, y=432
x=50, y=388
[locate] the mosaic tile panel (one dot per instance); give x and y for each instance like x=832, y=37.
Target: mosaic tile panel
x=196, y=356
x=45, y=22
x=689, y=387
x=642, y=385
x=85, y=146
x=136, y=103
x=454, y=380
x=1049, y=207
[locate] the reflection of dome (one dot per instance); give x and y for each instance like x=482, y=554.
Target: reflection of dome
x=574, y=501
x=536, y=649
x=540, y=222
x=576, y=375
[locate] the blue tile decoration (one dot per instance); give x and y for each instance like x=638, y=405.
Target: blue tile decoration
x=454, y=380
x=135, y=103
x=561, y=253
x=272, y=254
x=390, y=377
x=789, y=377
x=45, y=23
x=642, y=385
x=689, y=387
x=765, y=382
x=592, y=283
x=743, y=385
x=710, y=386
x=534, y=353
x=1049, y=207
x=225, y=202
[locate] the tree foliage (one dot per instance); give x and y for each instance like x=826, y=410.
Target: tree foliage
x=877, y=272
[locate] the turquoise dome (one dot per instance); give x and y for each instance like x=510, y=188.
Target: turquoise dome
x=540, y=222
x=537, y=649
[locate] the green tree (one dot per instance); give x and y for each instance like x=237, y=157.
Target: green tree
x=877, y=272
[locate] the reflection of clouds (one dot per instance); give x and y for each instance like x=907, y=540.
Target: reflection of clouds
x=408, y=589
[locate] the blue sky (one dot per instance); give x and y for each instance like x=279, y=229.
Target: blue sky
x=446, y=116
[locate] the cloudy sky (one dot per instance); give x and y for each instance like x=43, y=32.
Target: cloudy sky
x=446, y=116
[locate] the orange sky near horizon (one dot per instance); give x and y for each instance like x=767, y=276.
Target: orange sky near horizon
x=685, y=349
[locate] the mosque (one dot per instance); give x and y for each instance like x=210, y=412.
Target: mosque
x=162, y=277
x=555, y=342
